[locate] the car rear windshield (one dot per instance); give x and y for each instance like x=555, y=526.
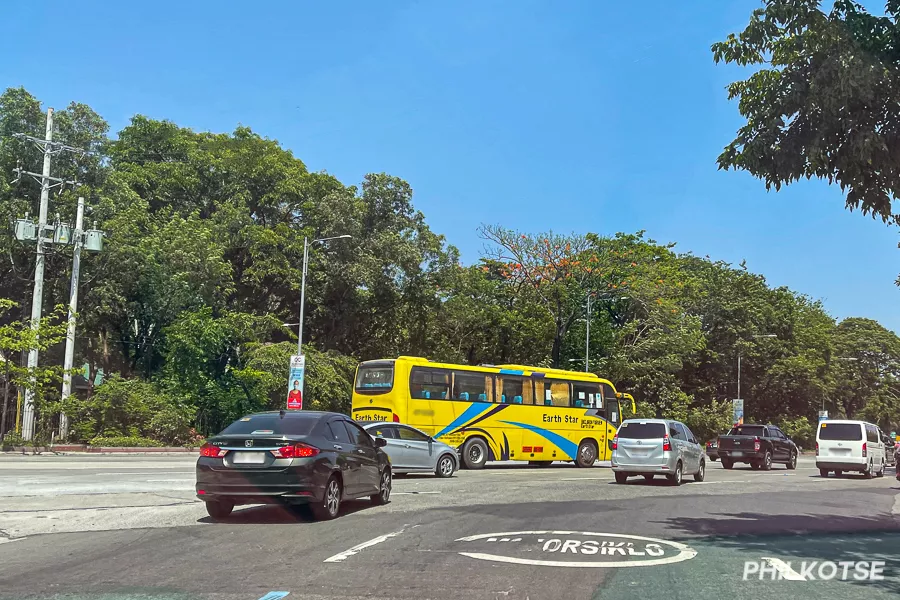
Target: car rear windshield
x=754, y=430
x=847, y=432
x=642, y=431
x=375, y=378
x=273, y=425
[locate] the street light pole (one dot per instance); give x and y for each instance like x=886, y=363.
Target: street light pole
x=587, y=337
x=306, y=244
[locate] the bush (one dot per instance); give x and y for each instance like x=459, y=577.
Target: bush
x=11, y=440
x=800, y=430
x=131, y=408
x=125, y=442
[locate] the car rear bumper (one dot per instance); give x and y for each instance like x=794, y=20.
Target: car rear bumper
x=295, y=485
x=664, y=466
x=850, y=464
x=740, y=455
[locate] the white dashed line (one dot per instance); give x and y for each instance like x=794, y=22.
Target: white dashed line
x=356, y=549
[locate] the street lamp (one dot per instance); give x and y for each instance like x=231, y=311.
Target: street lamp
x=587, y=335
x=306, y=244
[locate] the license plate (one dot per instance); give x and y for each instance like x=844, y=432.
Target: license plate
x=249, y=458
x=737, y=453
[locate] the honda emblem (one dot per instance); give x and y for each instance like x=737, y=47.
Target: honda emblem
x=249, y=443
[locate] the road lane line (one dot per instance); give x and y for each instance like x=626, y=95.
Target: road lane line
x=784, y=569
x=356, y=549
x=715, y=482
x=586, y=479
x=6, y=540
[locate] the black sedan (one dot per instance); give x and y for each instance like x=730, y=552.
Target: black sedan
x=309, y=458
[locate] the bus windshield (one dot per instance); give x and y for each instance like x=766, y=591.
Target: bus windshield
x=375, y=378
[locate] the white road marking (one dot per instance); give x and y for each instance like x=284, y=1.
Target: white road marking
x=356, y=549
x=714, y=482
x=784, y=569
x=586, y=479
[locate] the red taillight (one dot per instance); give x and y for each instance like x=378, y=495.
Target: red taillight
x=864, y=449
x=756, y=445
x=211, y=451
x=817, y=448
x=615, y=445
x=396, y=418
x=296, y=451
x=667, y=447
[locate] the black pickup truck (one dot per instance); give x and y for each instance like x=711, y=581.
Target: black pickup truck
x=758, y=445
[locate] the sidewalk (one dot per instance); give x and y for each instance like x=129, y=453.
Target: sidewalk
x=80, y=450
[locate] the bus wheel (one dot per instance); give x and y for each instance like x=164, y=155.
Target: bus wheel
x=474, y=453
x=587, y=454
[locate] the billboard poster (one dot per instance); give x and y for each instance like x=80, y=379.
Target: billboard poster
x=737, y=411
x=295, y=383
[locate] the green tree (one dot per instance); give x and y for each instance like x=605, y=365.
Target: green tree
x=823, y=100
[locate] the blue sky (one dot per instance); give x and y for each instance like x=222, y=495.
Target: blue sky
x=574, y=116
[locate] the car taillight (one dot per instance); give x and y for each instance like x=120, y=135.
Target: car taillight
x=756, y=445
x=667, y=447
x=817, y=448
x=211, y=451
x=396, y=418
x=615, y=445
x=296, y=451
x=864, y=449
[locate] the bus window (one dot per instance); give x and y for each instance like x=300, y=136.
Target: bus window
x=539, y=395
x=588, y=395
x=557, y=392
x=375, y=378
x=472, y=386
x=425, y=383
x=612, y=413
x=511, y=390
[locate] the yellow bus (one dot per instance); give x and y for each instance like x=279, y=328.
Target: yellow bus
x=494, y=412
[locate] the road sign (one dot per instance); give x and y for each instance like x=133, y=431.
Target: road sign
x=295, y=383
x=737, y=411
x=823, y=414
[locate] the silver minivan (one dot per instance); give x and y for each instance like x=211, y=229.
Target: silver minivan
x=651, y=447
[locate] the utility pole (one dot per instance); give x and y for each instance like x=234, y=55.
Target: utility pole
x=73, y=308
x=42, y=233
x=37, y=297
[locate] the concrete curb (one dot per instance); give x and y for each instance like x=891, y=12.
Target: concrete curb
x=78, y=449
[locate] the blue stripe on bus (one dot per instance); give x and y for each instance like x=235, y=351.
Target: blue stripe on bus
x=570, y=448
x=511, y=372
x=468, y=414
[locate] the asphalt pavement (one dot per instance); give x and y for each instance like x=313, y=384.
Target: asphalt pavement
x=130, y=528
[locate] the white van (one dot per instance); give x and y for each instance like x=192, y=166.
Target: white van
x=849, y=446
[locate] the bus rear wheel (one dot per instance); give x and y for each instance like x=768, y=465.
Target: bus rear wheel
x=587, y=454
x=474, y=453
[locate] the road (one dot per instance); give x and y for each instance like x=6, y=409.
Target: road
x=130, y=528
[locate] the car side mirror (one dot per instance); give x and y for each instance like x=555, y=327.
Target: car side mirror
x=380, y=442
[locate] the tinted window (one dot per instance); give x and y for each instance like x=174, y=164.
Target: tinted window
x=388, y=432
x=556, y=392
x=358, y=435
x=677, y=432
x=642, y=431
x=511, y=389
x=873, y=433
x=338, y=432
x=412, y=435
x=473, y=385
x=425, y=383
x=847, y=432
x=689, y=433
x=588, y=395
x=375, y=378
x=751, y=430
x=273, y=424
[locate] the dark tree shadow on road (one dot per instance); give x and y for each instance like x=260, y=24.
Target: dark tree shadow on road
x=798, y=537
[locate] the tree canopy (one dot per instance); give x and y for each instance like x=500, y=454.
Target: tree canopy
x=184, y=310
